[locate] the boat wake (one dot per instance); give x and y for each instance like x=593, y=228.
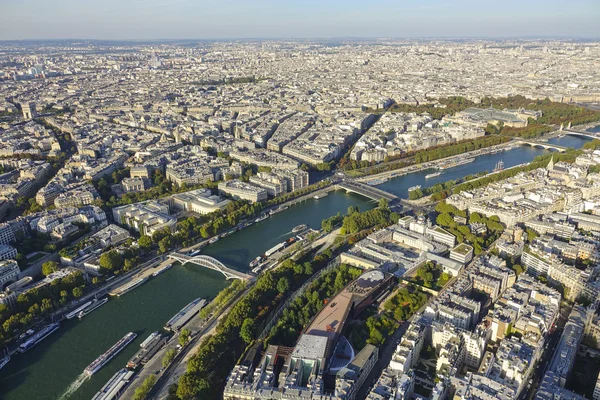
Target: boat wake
x=74, y=386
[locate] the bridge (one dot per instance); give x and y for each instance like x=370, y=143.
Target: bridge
x=210, y=263
x=543, y=145
x=365, y=190
x=574, y=132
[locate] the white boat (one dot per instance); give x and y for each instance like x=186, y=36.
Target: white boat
x=109, y=354
x=320, y=196
x=432, y=175
x=262, y=218
x=161, y=270
x=76, y=312
x=95, y=304
x=38, y=337
x=299, y=228
x=416, y=187
x=214, y=240
x=129, y=287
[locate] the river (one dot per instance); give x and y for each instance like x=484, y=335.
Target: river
x=399, y=185
x=50, y=368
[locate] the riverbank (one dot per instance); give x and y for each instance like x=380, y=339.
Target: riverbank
x=433, y=164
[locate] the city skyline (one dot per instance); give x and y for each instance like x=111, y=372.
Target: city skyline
x=136, y=20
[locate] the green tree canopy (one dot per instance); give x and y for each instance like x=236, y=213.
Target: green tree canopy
x=49, y=267
x=111, y=260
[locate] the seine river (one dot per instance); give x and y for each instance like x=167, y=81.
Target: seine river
x=54, y=367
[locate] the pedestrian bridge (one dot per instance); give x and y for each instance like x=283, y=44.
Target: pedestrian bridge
x=210, y=263
x=366, y=190
x=542, y=145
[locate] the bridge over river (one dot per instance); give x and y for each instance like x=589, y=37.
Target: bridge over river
x=210, y=263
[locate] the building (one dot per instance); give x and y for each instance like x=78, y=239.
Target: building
x=596, y=395
x=557, y=373
x=351, y=377
x=463, y=253
x=322, y=349
x=145, y=218
x=9, y=272
x=7, y=252
x=241, y=190
x=273, y=184
x=201, y=201
x=135, y=184
x=29, y=111
x=7, y=235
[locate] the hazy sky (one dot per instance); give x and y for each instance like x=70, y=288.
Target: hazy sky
x=200, y=19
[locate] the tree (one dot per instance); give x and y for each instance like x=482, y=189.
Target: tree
x=111, y=260
x=142, y=391
x=248, y=330
x=145, y=242
x=77, y=292
x=283, y=285
x=184, y=337
x=49, y=267
x=383, y=203
x=165, y=244
x=169, y=357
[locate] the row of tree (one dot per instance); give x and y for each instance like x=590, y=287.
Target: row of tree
x=301, y=311
x=208, y=368
x=356, y=221
x=38, y=303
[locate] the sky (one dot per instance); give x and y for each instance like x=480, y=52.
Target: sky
x=216, y=19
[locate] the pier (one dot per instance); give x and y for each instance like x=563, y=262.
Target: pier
x=210, y=263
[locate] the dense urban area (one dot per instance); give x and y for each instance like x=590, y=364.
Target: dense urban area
x=370, y=219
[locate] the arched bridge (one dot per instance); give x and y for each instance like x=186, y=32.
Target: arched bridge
x=543, y=145
x=210, y=263
x=586, y=134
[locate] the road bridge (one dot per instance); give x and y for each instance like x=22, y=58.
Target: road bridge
x=210, y=263
x=542, y=145
x=574, y=132
x=365, y=190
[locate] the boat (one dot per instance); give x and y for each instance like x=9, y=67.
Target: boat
x=148, y=349
x=432, y=175
x=228, y=233
x=262, y=217
x=115, y=385
x=76, y=312
x=129, y=287
x=161, y=270
x=375, y=182
x=4, y=360
x=275, y=249
x=299, y=228
x=499, y=166
x=416, y=187
x=213, y=240
x=278, y=210
x=256, y=261
x=196, y=252
x=453, y=164
x=186, y=313
x=26, y=334
x=38, y=337
x=95, y=304
x=320, y=196
x=149, y=339
x=109, y=354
